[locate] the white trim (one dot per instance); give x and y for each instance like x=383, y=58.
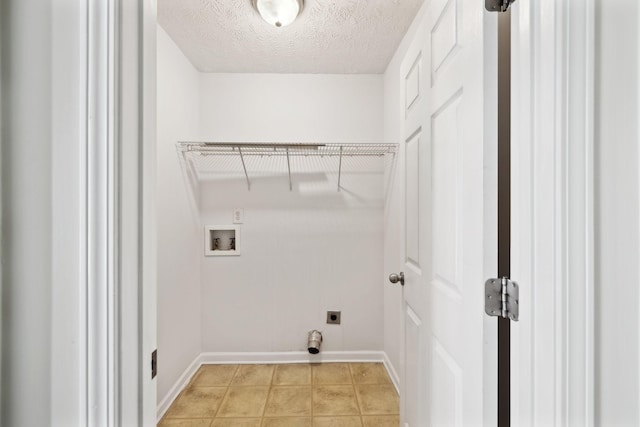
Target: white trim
x=291, y=357
x=393, y=374
x=147, y=306
x=552, y=212
x=128, y=182
x=69, y=351
x=246, y=358
x=521, y=204
x=579, y=66
x=133, y=267
x=2, y=103
x=638, y=195
x=101, y=282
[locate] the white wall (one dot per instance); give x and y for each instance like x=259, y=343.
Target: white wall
x=179, y=254
x=302, y=253
x=616, y=140
x=292, y=107
x=306, y=251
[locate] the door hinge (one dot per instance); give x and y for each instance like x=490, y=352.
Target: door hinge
x=154, y=364
x=501, y=298
x=497, y=5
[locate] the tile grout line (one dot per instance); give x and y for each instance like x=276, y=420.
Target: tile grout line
x=226, y=393
x=264, y=410
x=193, y=380
x=353, y=385
x=312, y=391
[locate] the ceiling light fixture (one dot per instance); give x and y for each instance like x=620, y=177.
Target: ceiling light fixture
x=279, y=12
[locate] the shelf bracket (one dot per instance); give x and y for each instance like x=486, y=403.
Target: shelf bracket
x=245, y=169
x=340, y=168
x=289, y=169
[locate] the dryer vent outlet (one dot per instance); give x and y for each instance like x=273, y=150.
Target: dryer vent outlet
x=314, y=342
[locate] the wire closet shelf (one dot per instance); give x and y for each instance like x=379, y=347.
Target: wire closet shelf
x=288, y=150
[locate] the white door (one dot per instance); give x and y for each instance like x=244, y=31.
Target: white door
x=450, y=195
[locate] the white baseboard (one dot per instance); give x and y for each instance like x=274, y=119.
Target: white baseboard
x=272, y=358
x=395, y=378
x=291, y=357
x=174, y=391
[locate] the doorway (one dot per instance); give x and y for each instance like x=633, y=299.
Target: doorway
x=427, y=100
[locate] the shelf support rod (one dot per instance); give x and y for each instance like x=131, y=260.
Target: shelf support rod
x=245, y=169
x=289, y=169
x=340, y=168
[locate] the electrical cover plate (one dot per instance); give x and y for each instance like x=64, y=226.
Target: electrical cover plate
x=238, y=215
x=333, y=317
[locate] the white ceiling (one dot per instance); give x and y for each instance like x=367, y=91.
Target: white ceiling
x=329, y=36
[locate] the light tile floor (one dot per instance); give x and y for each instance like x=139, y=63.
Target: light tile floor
x=296, y=395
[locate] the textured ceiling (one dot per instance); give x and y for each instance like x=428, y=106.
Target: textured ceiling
x=329, y=36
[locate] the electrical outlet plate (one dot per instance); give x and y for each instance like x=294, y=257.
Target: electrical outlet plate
x=333, y=317
x=238, y=215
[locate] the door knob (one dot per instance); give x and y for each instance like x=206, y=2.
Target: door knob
x=395, y=278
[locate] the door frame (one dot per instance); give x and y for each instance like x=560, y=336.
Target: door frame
x=136, y=31
x=552, y=180
x=552, y=229
x=103, y=326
